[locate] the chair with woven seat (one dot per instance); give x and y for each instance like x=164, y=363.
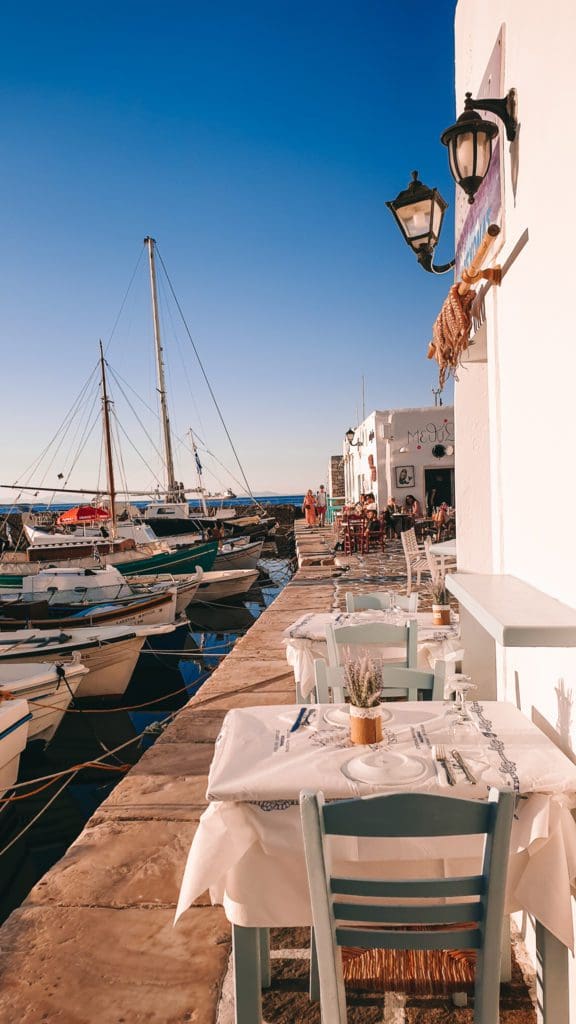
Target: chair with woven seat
x=416, y=561
x=397, y=682
x=429, y=914
x=381, y=600
x=375, y=635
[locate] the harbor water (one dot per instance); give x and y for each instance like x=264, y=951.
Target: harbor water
x=164, y=680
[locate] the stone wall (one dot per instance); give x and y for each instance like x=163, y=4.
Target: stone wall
x=336, y=476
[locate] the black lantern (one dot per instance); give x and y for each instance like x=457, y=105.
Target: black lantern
x=349, y=435
x=469, y=141
x=419, y=212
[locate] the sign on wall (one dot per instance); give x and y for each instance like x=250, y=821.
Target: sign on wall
x=472, y=220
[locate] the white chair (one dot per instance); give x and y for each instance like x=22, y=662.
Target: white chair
x=380, y=601
x=374, y=634
x=397, y=682
x=453, y=912
x=416, y=560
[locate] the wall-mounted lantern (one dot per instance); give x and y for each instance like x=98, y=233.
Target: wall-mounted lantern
x=349, y=435
x=419, y=212
x=469, y=140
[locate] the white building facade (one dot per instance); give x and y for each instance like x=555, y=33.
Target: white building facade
x=514, y=405
x=396, y=452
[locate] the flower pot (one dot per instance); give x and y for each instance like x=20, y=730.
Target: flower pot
x=365, y=725
x=441, y=614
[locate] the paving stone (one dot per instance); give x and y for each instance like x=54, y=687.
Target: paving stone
x=120, y=864
x=62, y=965
x=155, y=796
x=193, y=725
x=176, y=759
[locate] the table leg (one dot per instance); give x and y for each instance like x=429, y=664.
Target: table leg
x=246, y=962
x=551, y=978
x=265, y=971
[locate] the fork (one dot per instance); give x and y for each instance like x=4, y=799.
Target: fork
x=441, y=756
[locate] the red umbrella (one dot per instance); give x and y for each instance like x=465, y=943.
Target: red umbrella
x=82, y=514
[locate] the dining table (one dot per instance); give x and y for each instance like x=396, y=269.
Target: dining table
x=305, y=641
x=248, y=848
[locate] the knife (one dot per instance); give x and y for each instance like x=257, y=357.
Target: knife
x=298, y=721
x=462, y=763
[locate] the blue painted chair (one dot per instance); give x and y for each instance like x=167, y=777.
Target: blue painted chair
x=381, y=600
x=374, y=634
x=474, y=904
x=397, y=682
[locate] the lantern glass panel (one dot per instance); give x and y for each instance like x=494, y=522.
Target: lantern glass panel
x=415, y=219
x=484, y=153
x=464, y=155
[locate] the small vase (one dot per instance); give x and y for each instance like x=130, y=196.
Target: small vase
x=440, y=614
x=365, y=725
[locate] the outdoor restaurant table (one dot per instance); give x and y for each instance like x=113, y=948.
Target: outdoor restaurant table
x=305, y=641
x=446, y=549
x=248, y=849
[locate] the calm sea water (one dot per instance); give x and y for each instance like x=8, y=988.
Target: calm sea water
x=276, y=499
x=173, y=675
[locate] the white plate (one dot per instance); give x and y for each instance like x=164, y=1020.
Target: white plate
x=341, y=716
x=385, y=768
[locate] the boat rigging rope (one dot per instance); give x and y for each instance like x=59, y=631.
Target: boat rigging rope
x=208, y=384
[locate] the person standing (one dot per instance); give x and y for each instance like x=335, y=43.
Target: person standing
x=309, y=508
x=321, y=503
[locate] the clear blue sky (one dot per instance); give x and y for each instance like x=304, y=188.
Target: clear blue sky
x=257, y=142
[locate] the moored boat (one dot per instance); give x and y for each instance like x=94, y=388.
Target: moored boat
x=48, y=688
x=14, y=723
x=240, y=554
x=224, y=585
x=109, y=652
x=138, y=610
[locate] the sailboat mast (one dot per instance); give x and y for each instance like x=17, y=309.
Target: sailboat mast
x=108, y=441
x=171, y=487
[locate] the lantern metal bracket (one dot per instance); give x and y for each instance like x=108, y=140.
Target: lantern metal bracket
x=506, y=109
x=425, y=256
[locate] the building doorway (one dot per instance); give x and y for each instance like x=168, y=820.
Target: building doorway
x=439, y=487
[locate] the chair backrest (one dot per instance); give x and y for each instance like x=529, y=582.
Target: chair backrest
x=374, y=634
x=473, y=903
x=380, y=601
x=410, y=543
x=433, y=561
x=396, y=682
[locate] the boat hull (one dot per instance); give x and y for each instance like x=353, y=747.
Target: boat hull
x=48, y=695
x=110, y=663
x=221, y=586
x=156, y=609
x=245, y=556
x=130, y=563
x=14, y=723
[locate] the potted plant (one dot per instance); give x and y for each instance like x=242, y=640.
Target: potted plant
x=440, y=606
x=364, y=684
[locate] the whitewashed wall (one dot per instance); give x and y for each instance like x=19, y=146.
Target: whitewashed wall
x=383, y=434
x=525, y=471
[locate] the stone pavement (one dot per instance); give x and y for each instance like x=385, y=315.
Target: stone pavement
x=94, y=941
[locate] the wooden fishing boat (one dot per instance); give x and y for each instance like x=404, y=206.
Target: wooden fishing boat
x=135, y=611
x=109, y=652
x=239, y=554
x=226, y=585
x=14, y=723
x=48, y=688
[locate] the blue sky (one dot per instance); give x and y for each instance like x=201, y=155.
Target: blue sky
x=257, y=142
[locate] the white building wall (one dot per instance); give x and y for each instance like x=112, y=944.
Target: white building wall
x=384, y=434
x=525, y=473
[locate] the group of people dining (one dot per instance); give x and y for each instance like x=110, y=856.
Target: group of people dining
x=396, y=515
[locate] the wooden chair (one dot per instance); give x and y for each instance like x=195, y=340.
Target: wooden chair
x=353, y=532
x=373, y=538
x=380, y=601
x=415, y=556
x=474, y=904
x=397, y=682
x=374, y=634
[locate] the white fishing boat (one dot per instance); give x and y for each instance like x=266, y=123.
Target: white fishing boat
x=48, y=688
x=109, y=652
x=14, y=723
x=238, y=554
x=221, y=586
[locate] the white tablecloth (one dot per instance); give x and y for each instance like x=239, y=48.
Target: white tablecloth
x=305, y=641
x=248, y=848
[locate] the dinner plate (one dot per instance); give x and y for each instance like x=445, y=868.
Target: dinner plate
x=386, y=768
x=341, y=716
